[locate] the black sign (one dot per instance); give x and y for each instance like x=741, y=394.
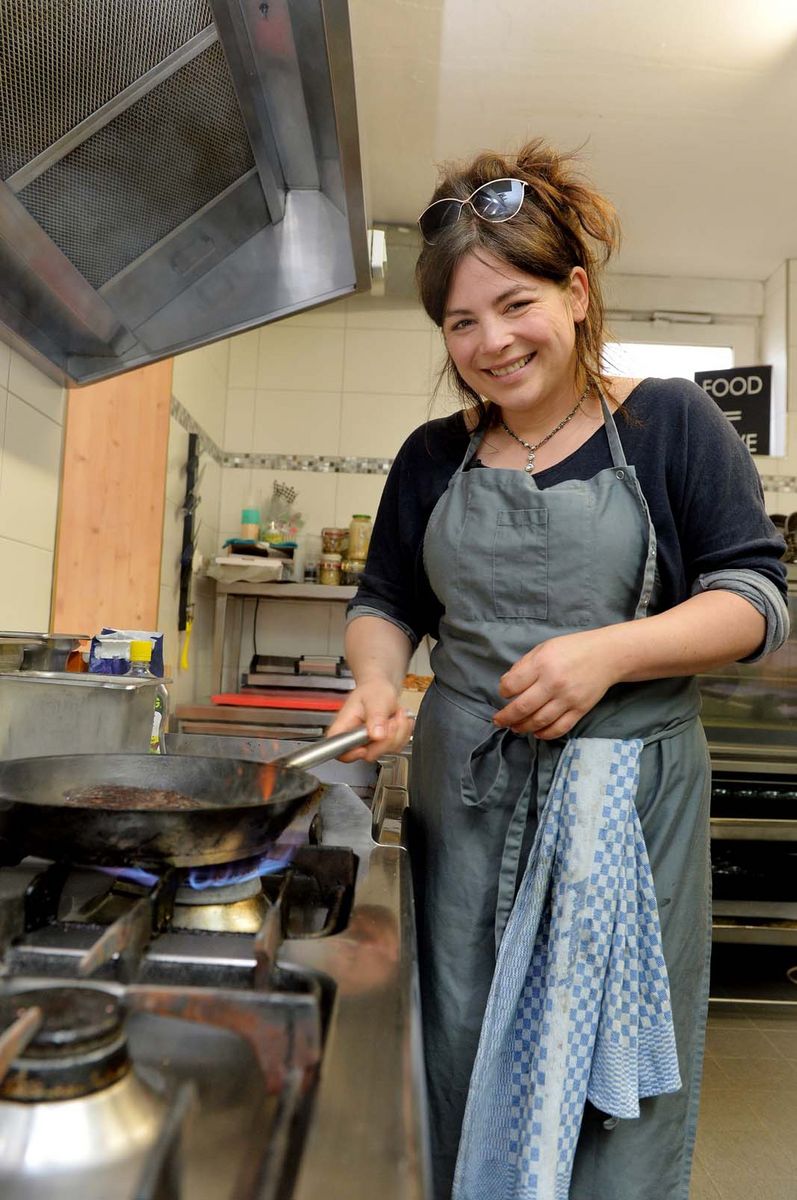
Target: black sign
x=745, y=396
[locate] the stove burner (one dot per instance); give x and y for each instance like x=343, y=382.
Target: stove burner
x=80, y=1047
x=231, y=908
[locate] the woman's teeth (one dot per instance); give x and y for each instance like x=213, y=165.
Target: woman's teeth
x=499, y=372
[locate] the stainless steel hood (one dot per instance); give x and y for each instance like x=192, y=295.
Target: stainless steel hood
x=173, y=171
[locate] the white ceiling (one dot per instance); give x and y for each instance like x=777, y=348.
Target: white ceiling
x=685, y=112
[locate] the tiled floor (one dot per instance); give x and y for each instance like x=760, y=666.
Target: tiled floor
x=747, y=1135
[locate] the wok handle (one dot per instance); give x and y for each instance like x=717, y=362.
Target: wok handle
x=324, y=750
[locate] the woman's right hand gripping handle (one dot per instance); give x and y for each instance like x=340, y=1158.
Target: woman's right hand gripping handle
x=378, y=653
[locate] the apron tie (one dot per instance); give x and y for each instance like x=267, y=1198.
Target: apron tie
x=503, y=764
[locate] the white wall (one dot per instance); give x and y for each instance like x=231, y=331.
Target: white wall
x=200, y=384
x=351, y=379
x=31, y=441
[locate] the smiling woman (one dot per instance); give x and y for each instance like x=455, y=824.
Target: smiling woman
x=581, y=547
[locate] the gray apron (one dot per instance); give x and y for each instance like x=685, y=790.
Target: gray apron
x=513, y=566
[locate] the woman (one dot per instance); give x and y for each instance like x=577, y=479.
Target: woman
x=581, y=547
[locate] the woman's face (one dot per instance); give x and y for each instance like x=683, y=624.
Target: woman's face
x=511, y=335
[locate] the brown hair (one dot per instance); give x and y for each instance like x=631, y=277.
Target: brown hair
x=563, y=223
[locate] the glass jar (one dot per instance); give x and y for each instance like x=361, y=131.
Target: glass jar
x=329, y=569
x=333, y=540
x=350, y=571
x=359, y=536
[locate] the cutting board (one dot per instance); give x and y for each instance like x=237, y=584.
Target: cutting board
x=293, y=698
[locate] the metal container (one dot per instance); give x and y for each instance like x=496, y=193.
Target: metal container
x=14, y=646
x=46, y=712
x=52, y=652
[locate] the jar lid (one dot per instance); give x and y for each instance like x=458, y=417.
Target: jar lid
x=250, y=516
x=361, y=517
x=333, y=529
x=331, y=558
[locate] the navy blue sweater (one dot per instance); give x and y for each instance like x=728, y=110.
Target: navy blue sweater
x=698, y=478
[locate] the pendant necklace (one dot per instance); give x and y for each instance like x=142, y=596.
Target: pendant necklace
x=532, y=449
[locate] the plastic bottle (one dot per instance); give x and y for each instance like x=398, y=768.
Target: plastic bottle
x=140, y=659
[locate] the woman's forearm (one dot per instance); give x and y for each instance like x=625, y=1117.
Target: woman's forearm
x=708, y=630
x=555, y=684
x=377, y=650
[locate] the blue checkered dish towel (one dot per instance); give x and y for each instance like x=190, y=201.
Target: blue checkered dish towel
x=579, y=1007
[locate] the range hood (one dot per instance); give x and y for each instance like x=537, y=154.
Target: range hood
x=172, y=172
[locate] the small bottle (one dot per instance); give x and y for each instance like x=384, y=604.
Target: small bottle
x=329, y=569
x=359, y=536
x=140, y=660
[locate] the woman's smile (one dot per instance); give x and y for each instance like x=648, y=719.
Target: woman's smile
x=512, y=368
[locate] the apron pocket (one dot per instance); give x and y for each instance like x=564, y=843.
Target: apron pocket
x=520, y=564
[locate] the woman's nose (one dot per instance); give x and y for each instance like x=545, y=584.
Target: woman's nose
x=496, y=336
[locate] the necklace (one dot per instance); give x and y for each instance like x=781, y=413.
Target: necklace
x=532, y=449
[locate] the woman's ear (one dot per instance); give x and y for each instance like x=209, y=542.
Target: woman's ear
x=579, y=293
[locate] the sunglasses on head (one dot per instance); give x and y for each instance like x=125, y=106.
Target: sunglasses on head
x=496, y=201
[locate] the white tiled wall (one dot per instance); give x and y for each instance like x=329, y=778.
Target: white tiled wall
x=354, y=379
x=31, y=438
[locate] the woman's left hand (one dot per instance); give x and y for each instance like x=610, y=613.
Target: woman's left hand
x=556, y=683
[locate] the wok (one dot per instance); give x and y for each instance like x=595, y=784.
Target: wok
x=150, y=810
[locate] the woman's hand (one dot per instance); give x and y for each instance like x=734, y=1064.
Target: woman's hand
x=556, y=683
x=376, y=705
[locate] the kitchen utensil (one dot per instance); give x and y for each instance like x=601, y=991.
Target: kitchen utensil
x=154, y=810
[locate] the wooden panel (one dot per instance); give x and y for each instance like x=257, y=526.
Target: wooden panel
x=113, y=487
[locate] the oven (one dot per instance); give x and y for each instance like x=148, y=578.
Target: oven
x=750, y=715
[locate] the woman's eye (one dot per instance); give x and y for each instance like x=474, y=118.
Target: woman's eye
x=463, y=324
x=518, y=304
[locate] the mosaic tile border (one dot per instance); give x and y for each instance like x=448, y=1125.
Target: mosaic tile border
x=342, y=465
x=183, y=417
x=779, y=483
x=322, y=463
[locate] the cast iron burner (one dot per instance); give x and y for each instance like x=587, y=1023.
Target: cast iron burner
x=232, y=908
x=80, y=1047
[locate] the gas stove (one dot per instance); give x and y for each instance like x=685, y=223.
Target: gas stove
x=243, y=1033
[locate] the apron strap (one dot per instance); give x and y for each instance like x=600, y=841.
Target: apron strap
x=615, y=445
x=621, y=468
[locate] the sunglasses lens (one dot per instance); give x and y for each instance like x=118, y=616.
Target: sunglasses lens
x=437, y=217
x=498, y=200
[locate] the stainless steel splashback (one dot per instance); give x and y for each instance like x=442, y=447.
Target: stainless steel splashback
x=172, y=172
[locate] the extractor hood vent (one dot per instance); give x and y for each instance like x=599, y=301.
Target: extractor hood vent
x=173, y=172
x=61, y=62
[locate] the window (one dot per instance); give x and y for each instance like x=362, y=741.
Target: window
x=665, y=360
x=677, y=348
